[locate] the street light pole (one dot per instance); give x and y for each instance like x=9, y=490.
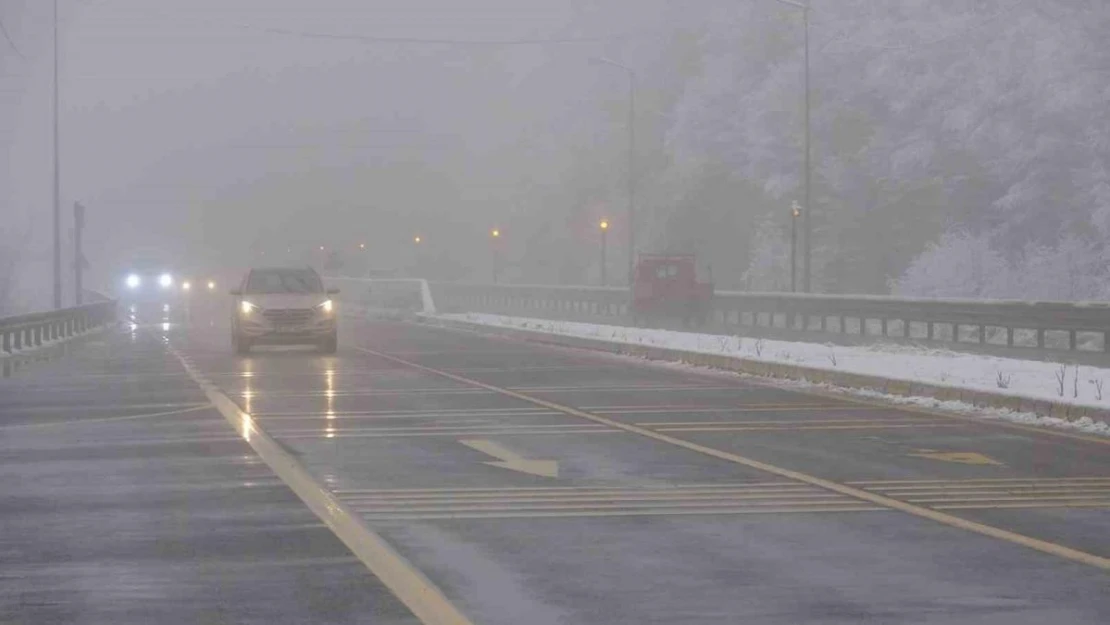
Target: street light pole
x=807, y=223
x=495, y=236
x=795, y=210
x=604, y=227
x=808, y=165
x=57, y=178
x=631, y=161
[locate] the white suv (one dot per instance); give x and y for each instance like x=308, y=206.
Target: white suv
x=283, y=306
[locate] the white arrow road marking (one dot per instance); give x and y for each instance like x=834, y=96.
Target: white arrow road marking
x=507, y=459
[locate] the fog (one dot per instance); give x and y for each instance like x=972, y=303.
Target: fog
x=221, y=134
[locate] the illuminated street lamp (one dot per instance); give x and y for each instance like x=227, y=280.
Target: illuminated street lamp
x=495, y=237
x=416, y=239
x=603, y=226
x=807, y=157
x=361, y=246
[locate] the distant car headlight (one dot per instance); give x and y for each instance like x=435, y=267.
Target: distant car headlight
x=185, y=286
x=247, y=308
x=133, y=281
x=211, y=285
x=327, y=306
x=165, y=280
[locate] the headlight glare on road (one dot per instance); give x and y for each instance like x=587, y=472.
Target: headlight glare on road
x=133, y=281
x=246, y=307
x=165, y=280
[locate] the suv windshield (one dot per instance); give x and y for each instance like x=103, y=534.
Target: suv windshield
x=284, y=281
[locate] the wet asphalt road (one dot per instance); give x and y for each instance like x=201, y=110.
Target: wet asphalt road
x=126, y=499
x=632, y=529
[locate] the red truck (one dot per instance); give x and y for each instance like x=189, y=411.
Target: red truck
x=665, y=286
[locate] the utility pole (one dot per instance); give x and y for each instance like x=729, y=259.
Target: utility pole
x=631, y=175
x=604, y=227
x=631, y=160
x=795, y=210
x=806, y=284
x=78, y=256
x=57, y=179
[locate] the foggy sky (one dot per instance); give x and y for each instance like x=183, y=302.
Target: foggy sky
x=192, y=127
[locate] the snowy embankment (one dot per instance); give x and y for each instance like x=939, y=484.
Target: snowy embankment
x=1077, y=385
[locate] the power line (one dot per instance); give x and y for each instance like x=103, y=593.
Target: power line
x=8, y=37
x=308, y=34
x=418, y=40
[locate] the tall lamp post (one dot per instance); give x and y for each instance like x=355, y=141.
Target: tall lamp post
x=495, y=239
x=795, y=211
x=57, y=178
x=631, y=221
x=807, y=224
x=604, y=228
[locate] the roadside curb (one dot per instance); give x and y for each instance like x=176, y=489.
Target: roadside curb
x=858, y=381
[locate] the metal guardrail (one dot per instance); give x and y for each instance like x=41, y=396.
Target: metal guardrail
x=23, y=333
x=961, y=324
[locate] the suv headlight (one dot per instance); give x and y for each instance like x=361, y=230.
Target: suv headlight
x=133, y=281
x=246, y=307
x=326, y=307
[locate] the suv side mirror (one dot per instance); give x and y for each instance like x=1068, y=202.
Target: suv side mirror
x=333, y=291
x=236, y=292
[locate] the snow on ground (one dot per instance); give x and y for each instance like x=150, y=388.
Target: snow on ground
x=1080, y=385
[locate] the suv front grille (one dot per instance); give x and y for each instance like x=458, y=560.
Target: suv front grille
x=288, y=316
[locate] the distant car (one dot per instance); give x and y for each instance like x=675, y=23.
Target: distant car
x=150, y=291
x=283, y=306
x=666, y=286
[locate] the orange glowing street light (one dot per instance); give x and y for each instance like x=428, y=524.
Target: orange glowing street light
x=604, y=227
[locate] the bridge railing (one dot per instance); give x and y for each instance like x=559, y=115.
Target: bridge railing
x=21, y=333
x=1003, y=327
x=972, y=325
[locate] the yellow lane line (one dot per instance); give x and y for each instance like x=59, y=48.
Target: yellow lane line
x=1102, y=497
x=785, y=423
x=492, y=432
x=544, y=489
x=711, y=409
x=1006, y=490
x=793, y=488
x=508, y=427
x=857, y=493
x=426, y=601
x=910, y=409
x=794, y=428
x=1018, y=506
x=587, y=499
x=985, y=480
x=548, y=514
x=657, y=505
x=149, y=415
x=339, y=416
